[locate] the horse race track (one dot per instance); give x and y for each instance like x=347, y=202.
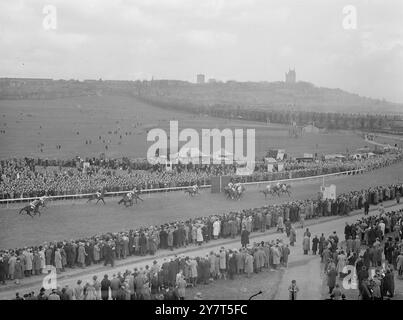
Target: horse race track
x=74, y=219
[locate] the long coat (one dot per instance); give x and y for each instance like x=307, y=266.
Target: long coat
x=249, y=263
x=199, y=235
x=97, y=251
x=216, y=228
x=11, y=265
x=331, y=278
x=105, y=285
x=276, y=256
x=293, y=236
x=58, y=260
x=306, y=243
x=81, y=255
x=223, y=260
x=341, y=262
x=18, y=270
x=244, y=237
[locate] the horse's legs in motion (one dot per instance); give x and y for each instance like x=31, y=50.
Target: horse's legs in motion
x=103, y=201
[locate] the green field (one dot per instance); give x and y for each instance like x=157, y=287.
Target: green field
x=32, y=125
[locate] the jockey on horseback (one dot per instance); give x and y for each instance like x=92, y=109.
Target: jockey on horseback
x=238, y=187
x=130, y=194
x=34, y=203
x=99, y=193
x=195, y=188
x=268, y=187
x=42, y=200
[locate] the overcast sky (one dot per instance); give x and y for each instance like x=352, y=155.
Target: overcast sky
x=255, y=40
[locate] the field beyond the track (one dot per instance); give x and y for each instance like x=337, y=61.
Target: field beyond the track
x=32, y=125
x=75, y=219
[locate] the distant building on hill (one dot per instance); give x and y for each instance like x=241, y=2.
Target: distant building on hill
x=200, y=78
x=291, y=76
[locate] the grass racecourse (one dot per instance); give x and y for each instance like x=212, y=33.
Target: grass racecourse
x=32, y=125
x=74, y=219
x=33, y=128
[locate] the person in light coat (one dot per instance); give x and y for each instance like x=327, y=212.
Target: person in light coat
x=81, y=255
x=248, y=264
x=28, y=262
x=223, y=263
x=276, y=256
x=58, y=261
x=181, y=288
x=280, y=224
x=97, y=287
x=306, y=244
x=341, y=263
x=216, y=229
x=199, y=236
x=43, y=259
x=11, y=266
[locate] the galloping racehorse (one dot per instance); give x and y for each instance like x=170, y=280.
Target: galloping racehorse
x=136, y=195
x=127, y=198
x=32, y=209
x=278, y=190
x=285, y=188
x=234, y=191
x=99, y=196
x=193, y=190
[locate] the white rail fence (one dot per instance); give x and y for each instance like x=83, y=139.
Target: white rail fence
x=116, y=193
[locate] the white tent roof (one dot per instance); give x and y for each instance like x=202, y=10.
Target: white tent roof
x=223, y=153
x=192, y=152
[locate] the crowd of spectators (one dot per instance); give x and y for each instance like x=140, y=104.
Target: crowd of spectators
x=170, y=279
x=362, y=248
x=22, y=178
x=18, y=263
x=360, y=256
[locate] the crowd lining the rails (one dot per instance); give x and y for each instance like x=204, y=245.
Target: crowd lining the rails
x=34, y=177
x=169, y=281
x=367, y=241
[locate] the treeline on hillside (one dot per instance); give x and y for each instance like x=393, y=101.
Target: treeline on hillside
x=320, y=119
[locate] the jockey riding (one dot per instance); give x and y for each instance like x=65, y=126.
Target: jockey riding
x=195, y=188
x=130, y=194
x=268, y=187
x=34, y=203
x=99, y=194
